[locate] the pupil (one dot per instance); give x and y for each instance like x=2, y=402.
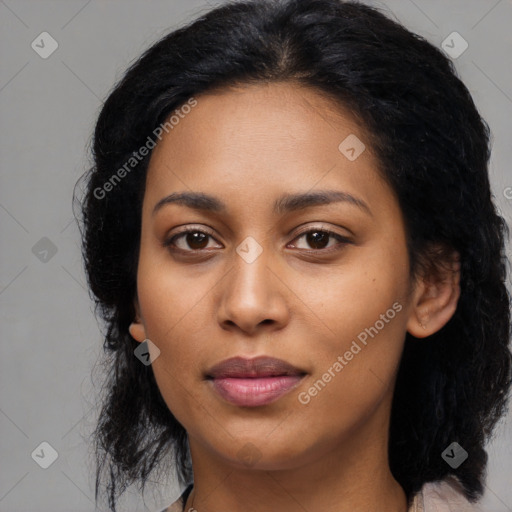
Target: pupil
x=317, y=239
x=197, y=240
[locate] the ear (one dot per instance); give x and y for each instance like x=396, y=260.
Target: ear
x=435, y=296
x=137, y=329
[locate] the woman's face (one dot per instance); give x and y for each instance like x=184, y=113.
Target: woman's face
x=267, y=280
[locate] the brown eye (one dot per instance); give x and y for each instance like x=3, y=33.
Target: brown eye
x=319, y=240
x=189, y=241
x=196, y=240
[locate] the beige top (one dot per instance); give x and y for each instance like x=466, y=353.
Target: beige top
x=444, y=496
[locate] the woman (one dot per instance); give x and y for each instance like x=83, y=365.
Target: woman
x=290, y=234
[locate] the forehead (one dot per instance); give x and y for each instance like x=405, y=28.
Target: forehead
x=250, y=143
x=256, y=126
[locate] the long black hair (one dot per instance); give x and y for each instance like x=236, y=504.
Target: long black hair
x=433, y=149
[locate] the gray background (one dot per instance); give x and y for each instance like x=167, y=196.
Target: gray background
x=50, y=338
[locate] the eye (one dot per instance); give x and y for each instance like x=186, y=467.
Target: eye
x=196, y=240
x=319, y=240
x=189, y=240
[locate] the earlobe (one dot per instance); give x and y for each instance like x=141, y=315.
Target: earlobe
x=137, y=329
x=435, y=299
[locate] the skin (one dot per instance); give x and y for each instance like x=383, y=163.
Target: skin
x=248, y=146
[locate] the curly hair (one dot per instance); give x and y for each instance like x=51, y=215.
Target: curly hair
x=433, y=149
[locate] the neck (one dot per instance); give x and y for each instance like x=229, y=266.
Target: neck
x=350, y=476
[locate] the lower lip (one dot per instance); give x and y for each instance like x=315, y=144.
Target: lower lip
x=256, y=391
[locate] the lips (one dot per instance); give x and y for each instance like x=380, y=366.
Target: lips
x=253, y=382
x=239, y=367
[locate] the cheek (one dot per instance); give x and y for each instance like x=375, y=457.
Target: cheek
x=362, y=320
x=177, y=370
x=170, y=297
x=359, y=295
x=356, y=361
x=167, y=309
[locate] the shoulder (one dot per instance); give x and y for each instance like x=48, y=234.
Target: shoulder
x=443, y=496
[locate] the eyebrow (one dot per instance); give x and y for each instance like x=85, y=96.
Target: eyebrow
x=286, y=203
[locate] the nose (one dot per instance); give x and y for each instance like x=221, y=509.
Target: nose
x=253, y=296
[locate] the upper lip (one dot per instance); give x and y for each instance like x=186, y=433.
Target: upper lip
x=263, y=366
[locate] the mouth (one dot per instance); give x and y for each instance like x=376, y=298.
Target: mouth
x=253, y=382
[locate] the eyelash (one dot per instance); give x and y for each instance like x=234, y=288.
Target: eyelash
x=169, y=243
